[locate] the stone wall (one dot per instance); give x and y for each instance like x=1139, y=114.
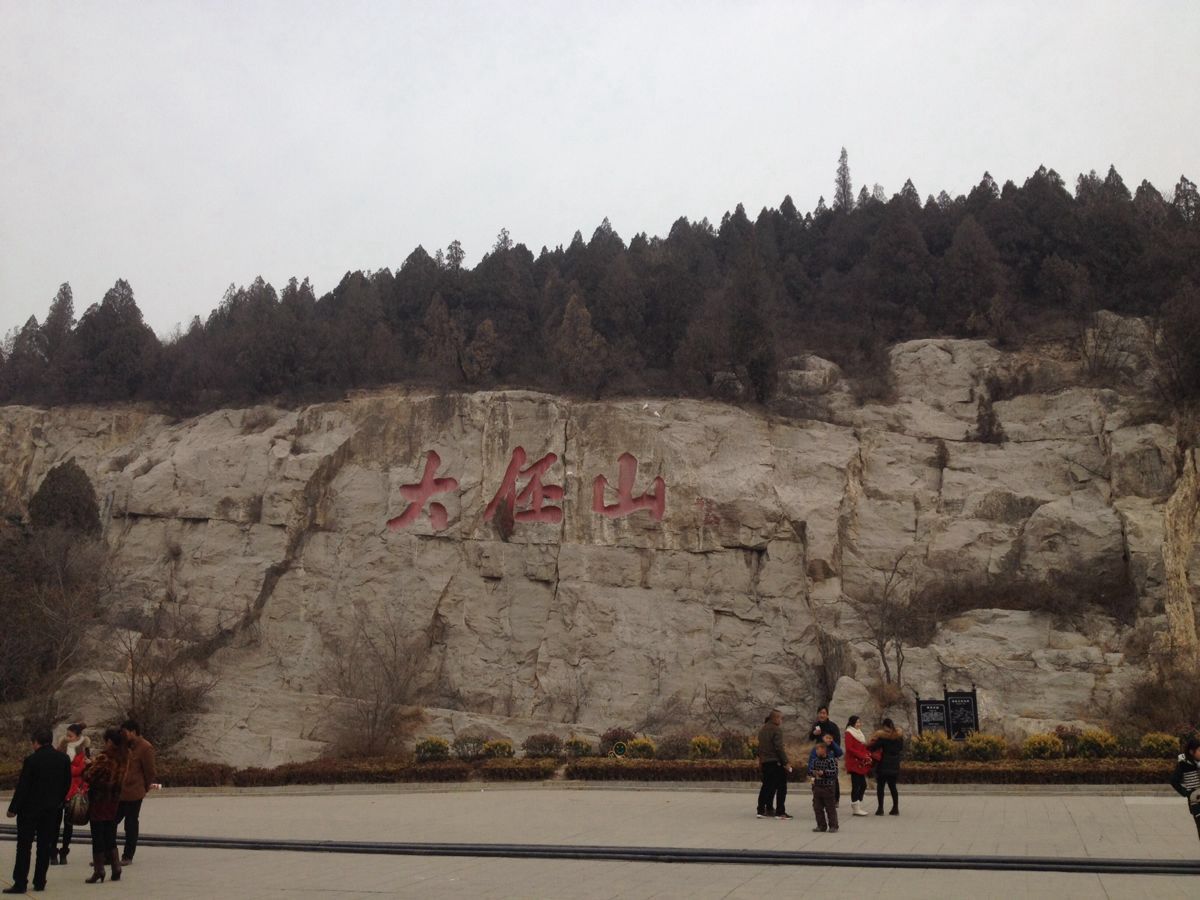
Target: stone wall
x=272, y=527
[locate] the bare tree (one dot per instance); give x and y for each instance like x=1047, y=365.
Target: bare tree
x=883, y=611
x=373, y=673
x=162, y=682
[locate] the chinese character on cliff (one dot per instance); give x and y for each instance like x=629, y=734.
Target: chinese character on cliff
x=654, y=501
x=418, y=494
x=527, y=506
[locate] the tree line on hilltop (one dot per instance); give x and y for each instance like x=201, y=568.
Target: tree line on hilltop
x=665, y=315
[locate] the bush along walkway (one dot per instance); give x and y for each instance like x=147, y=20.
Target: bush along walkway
x=183, y=773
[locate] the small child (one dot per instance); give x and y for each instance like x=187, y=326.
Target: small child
x=823, y=769
x=1186, y=779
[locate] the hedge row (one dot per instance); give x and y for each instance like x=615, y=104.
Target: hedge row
x=609, y=769
x=1040, y=771
x=388, y=771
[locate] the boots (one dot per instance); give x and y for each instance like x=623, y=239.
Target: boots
x=62, y=855
x=857, y=808
x=879, y=812
x=97, y=869
x=114, y=858
x=895, y=808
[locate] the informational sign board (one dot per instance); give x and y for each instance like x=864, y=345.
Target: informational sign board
x=931, y=716
x=962, y=713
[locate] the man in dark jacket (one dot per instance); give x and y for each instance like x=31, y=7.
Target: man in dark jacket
x=821, y=729
x=36, y=804
x=773, y=761
x=139, y=779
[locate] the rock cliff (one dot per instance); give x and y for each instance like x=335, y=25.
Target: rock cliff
x=573, y=565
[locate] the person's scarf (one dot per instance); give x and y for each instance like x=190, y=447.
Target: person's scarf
x=857, y=732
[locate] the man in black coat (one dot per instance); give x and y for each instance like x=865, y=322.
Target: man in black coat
x=37, y=804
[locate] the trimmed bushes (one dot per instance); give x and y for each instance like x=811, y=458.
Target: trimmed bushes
x=542, y=746
x=640, y=748
x=577, y=747
x=676, y=745
x=468, y=748
x=1040, y=771
x=498, y=750
x=518, y=769
x=1042, y=746
x=1159, y=745
x=1096, y=744
x=432, y=749
x=932, y=746
x=982, y=747
x=610, y=738
x=704, y=746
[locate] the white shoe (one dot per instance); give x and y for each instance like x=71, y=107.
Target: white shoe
x=858, y=810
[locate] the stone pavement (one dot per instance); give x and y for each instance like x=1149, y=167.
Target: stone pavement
x=1154, y=825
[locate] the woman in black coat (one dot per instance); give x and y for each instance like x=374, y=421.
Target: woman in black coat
x=888, y=741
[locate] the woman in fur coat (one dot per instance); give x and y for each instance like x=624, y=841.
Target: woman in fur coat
x=889, y=742
x=858, y=764
x=105, y=777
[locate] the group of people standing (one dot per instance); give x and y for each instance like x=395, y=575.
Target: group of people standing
x=879, y=754
x=113, y=782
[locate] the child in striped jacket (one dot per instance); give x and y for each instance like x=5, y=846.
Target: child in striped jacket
x=1186, y=779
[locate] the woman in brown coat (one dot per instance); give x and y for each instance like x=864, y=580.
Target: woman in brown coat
x=105, y=776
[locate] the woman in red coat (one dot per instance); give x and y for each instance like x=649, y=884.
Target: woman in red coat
x=78, y=750
x=858, y=764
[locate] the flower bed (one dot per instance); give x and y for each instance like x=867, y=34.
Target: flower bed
x=610, y=769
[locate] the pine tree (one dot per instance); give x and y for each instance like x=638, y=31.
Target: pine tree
x=843, y=193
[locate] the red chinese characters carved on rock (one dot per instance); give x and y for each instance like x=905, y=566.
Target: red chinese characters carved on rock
x=528, y=506
x=655, y=501
x=418, y=494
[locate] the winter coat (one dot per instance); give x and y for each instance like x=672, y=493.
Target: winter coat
x=139, y=774
x=43, y=783
x=770, y=744
x=105, y=777
x=78, y=785
x=891, y=742
x=858, y=758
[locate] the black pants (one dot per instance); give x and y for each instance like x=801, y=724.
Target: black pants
x=40, y=828
x=128, y=812
x=773, y=793
x=68, y=830
x=858, y=787
x=104, y=837
x=888, y=779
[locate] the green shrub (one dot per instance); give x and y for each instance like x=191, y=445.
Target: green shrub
x=704, y=746
x=1094, y=743
x=1159, y=745
x=983, y=747
x=931, y=746
x=498, y=750
x=577, y=747
x=734, y=745
x=614, y=735
x=640, y=748
x=752, y=748
x=432, y=749
x=542, y=746
x=468, y=748
x=1069, y=735
x=674, y=746
x=1043, y=746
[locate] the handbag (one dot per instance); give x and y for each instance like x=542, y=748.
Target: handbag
x=78, y=809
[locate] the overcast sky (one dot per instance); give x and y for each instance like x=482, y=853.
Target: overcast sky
x=184, y=146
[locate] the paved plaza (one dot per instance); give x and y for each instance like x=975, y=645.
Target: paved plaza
x=1153, y=825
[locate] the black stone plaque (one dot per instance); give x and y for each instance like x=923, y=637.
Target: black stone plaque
x=962, y=713
x=931, y=716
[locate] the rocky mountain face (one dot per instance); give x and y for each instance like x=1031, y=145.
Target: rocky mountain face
x=563, y=565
